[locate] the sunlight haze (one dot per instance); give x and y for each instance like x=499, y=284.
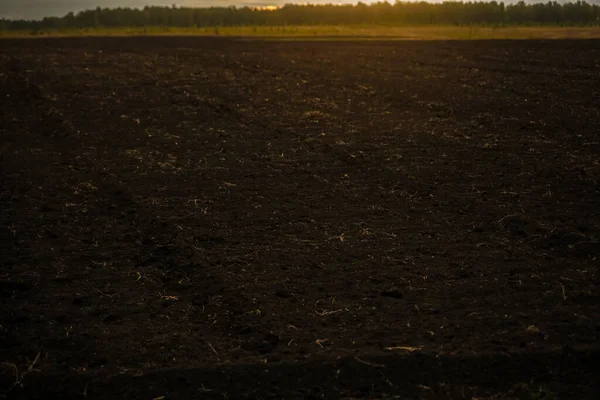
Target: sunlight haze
x=38, y=9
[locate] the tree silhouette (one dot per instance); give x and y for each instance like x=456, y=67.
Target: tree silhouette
x=381, y=13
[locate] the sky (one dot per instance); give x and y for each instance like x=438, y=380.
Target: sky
x=38, y=9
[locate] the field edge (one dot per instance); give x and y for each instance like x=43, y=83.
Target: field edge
x=334, y=31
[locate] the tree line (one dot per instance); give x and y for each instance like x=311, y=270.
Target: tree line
x=382, y=13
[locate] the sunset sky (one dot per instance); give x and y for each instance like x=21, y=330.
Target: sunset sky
x=37, y=9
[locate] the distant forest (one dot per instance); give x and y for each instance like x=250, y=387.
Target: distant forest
x=399, y=13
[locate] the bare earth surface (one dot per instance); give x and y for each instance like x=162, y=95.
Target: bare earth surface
x=217, y=218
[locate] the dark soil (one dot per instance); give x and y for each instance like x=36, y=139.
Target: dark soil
x=212, y=218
